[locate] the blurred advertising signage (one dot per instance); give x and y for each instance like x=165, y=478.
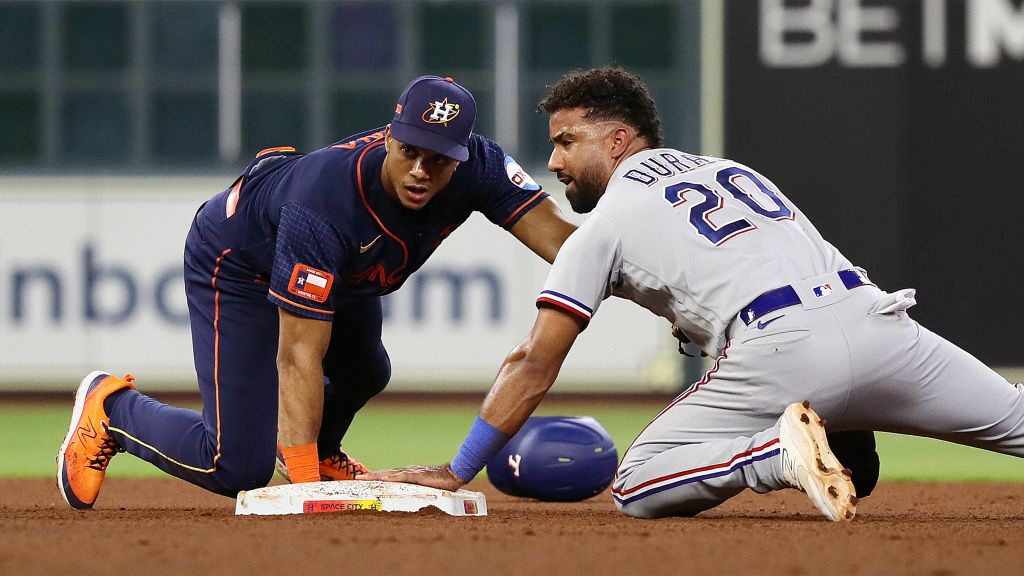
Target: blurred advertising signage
x=896, y=127
x=91, y=278
x=883, y=34
x=98, y=291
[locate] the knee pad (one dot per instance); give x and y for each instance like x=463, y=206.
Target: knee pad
x=555, y=459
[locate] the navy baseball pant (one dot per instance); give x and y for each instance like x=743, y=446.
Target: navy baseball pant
x=231, y=445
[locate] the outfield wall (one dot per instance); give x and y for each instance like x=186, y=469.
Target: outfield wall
x=90, y=278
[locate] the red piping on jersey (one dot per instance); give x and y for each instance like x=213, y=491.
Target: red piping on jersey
x=297, y=305
x=520, y=209
x=362, y=195
x=548, y=302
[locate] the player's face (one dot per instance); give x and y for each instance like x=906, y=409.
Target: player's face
x=413, y=175
x=580, y=156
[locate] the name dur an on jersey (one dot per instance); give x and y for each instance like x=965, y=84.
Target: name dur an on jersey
x=665, y=165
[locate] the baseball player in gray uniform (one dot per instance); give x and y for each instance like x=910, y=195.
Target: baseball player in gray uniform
x=719, y=251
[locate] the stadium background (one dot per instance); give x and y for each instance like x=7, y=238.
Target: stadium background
x=894, y=125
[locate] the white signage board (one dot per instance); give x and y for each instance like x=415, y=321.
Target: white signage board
x=90, y=278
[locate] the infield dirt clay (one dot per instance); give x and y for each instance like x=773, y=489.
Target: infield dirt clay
x=152, y=527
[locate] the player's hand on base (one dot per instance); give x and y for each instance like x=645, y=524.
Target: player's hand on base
x=432, y=476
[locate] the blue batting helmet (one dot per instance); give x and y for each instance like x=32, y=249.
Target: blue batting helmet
x=556, y=459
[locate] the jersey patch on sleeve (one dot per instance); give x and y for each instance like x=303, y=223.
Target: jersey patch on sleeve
x=310, y=283
x=518, y=176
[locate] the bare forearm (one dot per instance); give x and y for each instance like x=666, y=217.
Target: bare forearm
x=301, y=398
x=519, y=388
x=300, y=354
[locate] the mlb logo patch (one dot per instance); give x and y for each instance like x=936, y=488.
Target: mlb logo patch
x=823, y=290
x=310, y=283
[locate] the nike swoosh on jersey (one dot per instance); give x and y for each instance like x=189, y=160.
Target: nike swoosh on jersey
x=363, y=249
x=762, y=324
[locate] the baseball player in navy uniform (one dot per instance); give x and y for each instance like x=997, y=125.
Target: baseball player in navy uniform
x=284, y=272
x=717, y=249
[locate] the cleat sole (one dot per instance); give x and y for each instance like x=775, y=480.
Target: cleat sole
x=828, y=483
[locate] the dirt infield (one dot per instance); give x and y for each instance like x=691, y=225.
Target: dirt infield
x=167, y=527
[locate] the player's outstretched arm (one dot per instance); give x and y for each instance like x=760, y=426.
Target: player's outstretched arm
x=431, y=476
x=543, y=229
x=524, y=379
x=530, y=370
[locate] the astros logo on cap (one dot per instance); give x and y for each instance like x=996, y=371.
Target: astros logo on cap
x=441, y=112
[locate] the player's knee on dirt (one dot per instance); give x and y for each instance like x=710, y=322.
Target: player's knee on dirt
x=633, y=510
x=659, y=506
x=856, y=451
x=233, y=477
x=645, y=508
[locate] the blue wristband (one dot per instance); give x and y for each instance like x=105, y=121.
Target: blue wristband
x=482, y=443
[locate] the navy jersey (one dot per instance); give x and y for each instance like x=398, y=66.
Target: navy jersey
x=322, y=230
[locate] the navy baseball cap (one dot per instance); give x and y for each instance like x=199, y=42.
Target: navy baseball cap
x=437, y=114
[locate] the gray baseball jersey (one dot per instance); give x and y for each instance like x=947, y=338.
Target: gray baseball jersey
x=719, y=251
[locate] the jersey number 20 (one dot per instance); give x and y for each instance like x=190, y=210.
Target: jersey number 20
x=730, y=179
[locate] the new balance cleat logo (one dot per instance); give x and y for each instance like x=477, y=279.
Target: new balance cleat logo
x=788, y=465
x=87, y=432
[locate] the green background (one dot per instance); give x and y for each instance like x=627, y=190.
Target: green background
x=387, y=434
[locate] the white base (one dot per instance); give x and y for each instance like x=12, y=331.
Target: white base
x=349, y=495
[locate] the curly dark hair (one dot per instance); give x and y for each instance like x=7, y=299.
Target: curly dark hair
x=610, y=93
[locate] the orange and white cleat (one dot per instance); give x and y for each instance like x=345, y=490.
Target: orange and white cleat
x=88, y=447
x=341, y=466
x=338, y=466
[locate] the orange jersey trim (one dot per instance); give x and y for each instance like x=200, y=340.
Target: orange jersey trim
x=351, y=144
x=521, y=207
x=297, y=305
x=362, y=196
x=277, y=149
x=216, y=347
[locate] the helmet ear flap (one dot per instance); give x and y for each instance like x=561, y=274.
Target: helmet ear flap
x=556, y=459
